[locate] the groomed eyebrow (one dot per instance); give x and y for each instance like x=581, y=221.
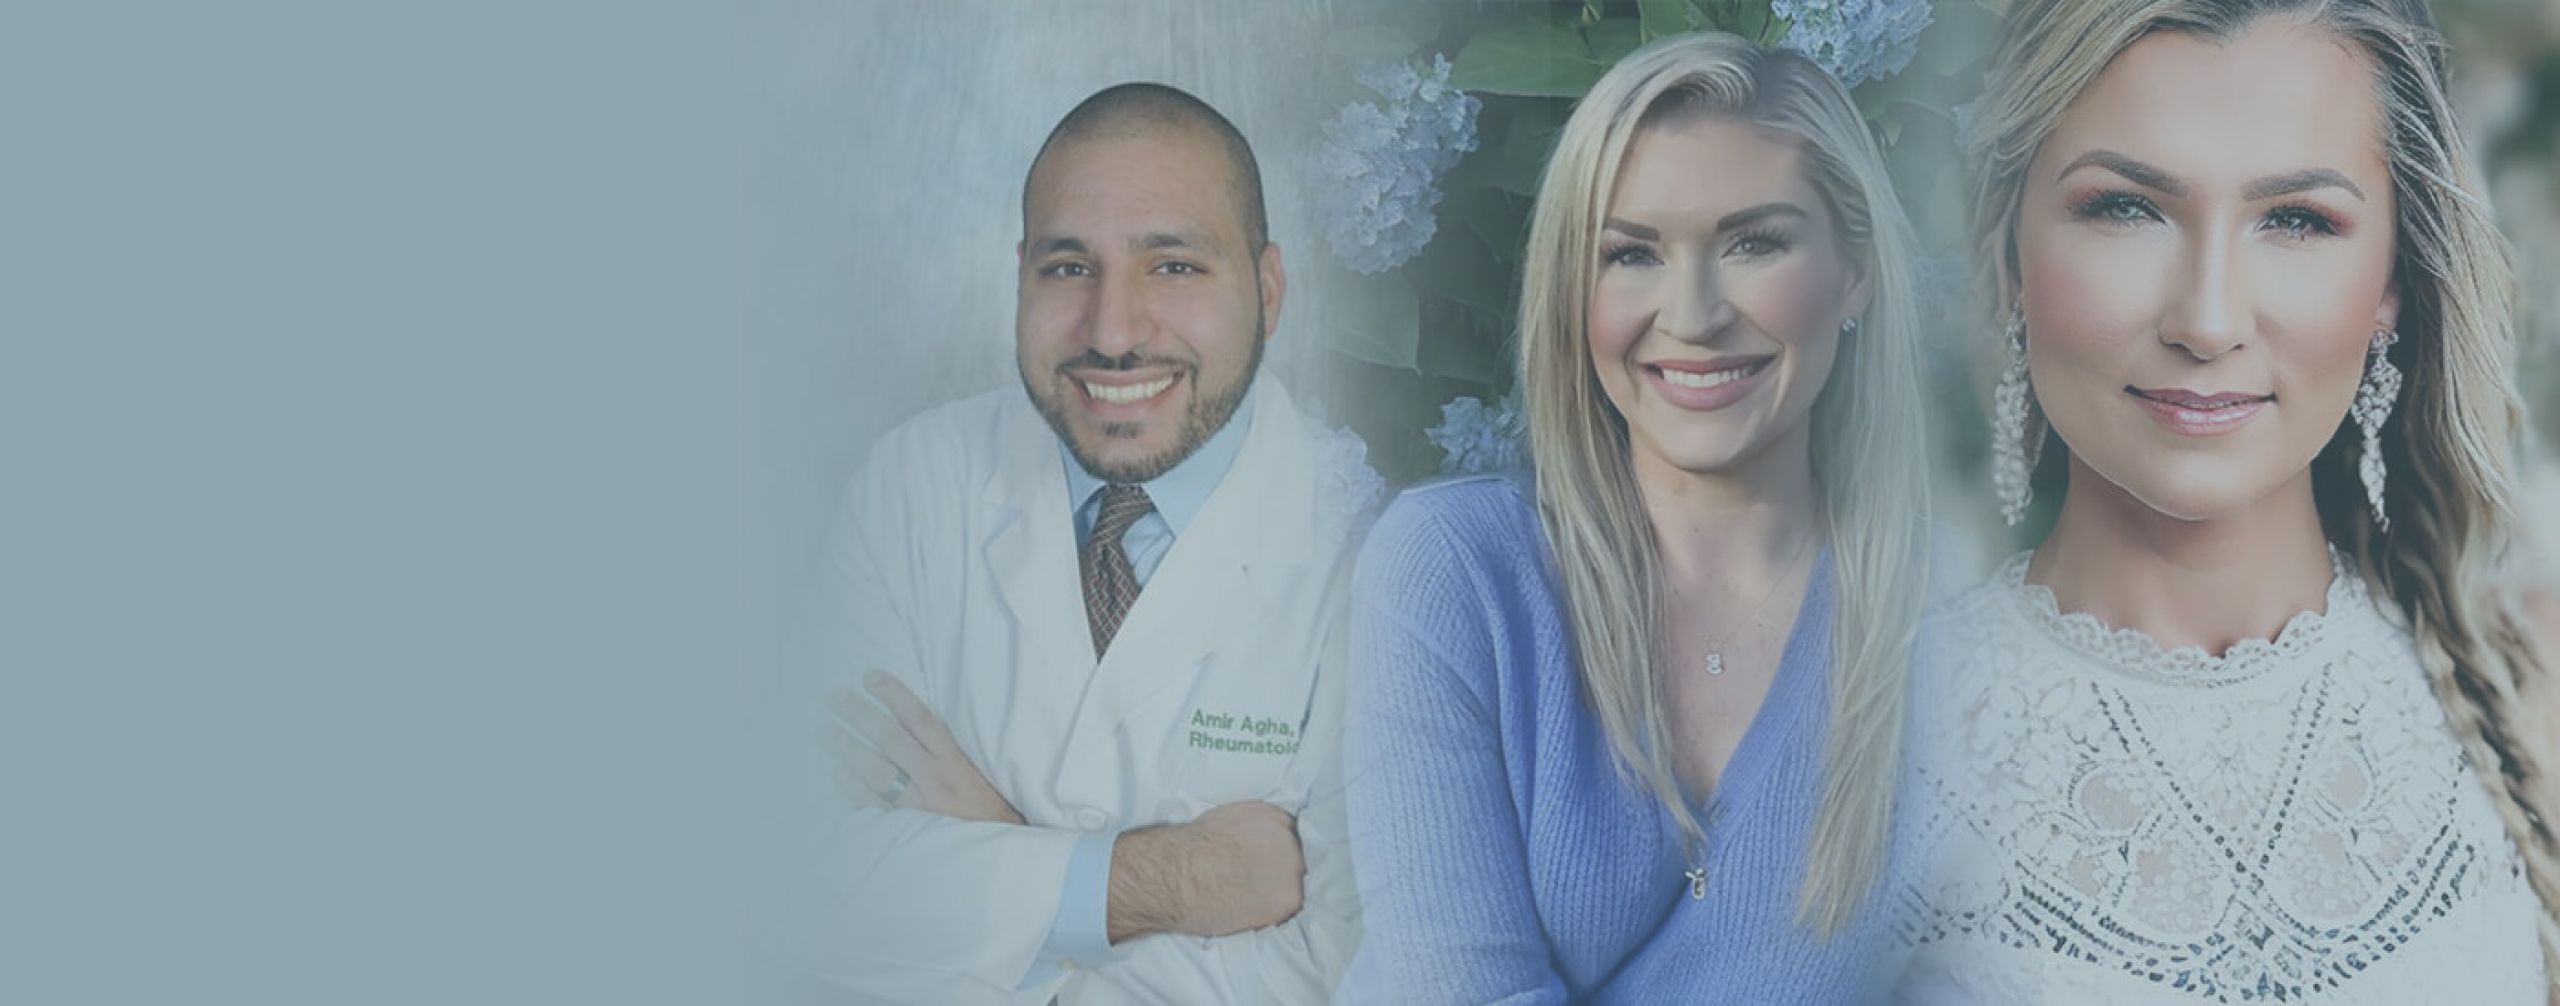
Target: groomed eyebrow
x=1737, y=218
x=1639, y=232
x=1056, y=246
x=2268, y=187
x=1747, y=217
x=2300, y=181
x=2133, y=171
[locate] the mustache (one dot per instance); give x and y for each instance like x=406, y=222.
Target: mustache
x=1131, y=360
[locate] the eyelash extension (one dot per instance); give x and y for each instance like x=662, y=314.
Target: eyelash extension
x=2105, y=207
x=2314, y=222
x=1621, y=252
x=2101, y=207
x=1775, y=238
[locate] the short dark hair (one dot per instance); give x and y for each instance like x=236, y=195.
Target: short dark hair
x=1140, y=106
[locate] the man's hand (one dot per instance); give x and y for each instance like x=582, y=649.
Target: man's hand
x=1237, y=868
x=908, y=760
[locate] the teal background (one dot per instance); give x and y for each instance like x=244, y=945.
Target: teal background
x=385, y=585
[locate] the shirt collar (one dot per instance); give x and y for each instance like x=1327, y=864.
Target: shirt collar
x=1180, y=492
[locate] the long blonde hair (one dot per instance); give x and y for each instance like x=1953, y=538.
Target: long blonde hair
x=1867, y=442
x=2452, y=444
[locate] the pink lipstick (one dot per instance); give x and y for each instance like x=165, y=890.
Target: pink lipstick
x=1707, y=385
x=2199, y=414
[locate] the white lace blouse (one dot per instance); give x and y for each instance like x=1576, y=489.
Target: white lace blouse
x=2106, y=821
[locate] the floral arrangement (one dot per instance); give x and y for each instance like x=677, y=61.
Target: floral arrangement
x=1379, y=167
x=1475, y=438
x=1856, y=40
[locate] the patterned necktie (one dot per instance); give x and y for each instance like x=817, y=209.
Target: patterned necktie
x=1110, y=583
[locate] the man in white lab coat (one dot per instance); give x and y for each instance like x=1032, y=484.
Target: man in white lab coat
x=1087, y=641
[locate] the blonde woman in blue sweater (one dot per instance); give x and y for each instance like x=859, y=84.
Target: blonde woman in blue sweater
x=1627, y=728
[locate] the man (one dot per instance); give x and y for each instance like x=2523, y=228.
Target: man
x=1091, y=637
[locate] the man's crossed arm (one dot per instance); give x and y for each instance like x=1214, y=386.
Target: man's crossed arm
x=1238, y=867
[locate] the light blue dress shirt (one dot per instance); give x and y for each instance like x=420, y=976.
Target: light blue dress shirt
x=1081, y=934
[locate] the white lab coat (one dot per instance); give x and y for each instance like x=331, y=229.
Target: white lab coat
x=954, y=569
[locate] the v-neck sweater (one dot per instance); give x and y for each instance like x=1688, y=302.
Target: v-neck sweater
x=1501, y=853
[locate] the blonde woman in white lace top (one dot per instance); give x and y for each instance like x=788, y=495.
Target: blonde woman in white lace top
x=2247, y=724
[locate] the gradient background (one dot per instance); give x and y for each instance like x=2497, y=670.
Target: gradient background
x=417, y=423
x=385, y=504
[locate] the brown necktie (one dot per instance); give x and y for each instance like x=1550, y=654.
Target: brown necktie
x=1110, y=583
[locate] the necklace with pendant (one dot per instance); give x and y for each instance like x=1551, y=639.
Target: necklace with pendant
x=1715, y=648
x=1696, y=874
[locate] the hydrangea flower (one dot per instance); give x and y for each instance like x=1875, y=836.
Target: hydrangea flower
x=1376, y=173
x=1857, y=40
x=1351, y=487
x=1475, y=438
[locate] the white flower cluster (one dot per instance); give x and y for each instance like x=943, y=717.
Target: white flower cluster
x=1857, y=40
x=1476, y=439
x=1375, y=176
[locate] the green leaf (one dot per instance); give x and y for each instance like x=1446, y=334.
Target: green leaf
x=1513, y=161
x=1456, y=266
x=1372, y=318
x=1461, y=348
x=1887, y=115
x=1498, y=220
x=1612, y=39
x=1662, y=18
x=1527, y=56
x=1870, y=102
x=1367, y=45
x=1776, y=29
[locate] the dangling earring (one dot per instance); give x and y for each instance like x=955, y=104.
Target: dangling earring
x=2374, y=398
x=2013, y=456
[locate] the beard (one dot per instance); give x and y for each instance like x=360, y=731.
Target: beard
x=1208, y=411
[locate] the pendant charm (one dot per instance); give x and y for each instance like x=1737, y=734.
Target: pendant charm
x=1697, y=883
x=1715, y=663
